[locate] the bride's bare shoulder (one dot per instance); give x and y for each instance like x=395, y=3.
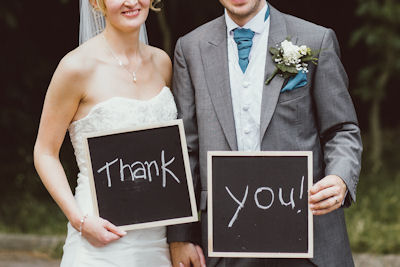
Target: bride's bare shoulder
x=159, y=56
x=162, y=63
x=81, y=61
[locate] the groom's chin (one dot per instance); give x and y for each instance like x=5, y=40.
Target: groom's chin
x=237, y=5
x=242, y=8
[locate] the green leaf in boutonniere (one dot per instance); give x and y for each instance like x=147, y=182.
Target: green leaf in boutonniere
x=284, y=68
x=290, y=59
x=274, y=51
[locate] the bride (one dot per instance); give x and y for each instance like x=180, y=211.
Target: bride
x=110, y=81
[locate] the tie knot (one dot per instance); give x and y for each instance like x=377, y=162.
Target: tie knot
x=240, y=34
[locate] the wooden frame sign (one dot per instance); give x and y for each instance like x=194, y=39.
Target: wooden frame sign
x=258, y=204
x=140, y=177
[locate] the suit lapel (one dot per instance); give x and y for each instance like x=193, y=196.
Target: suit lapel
x=277, y=33
x=215, y=62
x=214, y=53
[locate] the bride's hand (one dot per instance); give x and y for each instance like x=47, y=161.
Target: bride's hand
x=100, y=232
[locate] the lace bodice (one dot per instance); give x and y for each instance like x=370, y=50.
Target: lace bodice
x=118, y=113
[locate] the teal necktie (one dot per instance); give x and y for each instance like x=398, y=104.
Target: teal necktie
x=244, y=41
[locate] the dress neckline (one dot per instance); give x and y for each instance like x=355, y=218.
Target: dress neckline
x=101, y=103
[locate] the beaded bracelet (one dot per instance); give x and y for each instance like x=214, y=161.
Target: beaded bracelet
x=82, y=222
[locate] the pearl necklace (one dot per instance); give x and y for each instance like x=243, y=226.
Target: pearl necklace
x=133, y=73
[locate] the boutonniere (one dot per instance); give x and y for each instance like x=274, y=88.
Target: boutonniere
x=291, y=59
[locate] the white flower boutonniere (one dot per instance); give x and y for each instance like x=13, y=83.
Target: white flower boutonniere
x=291, y=59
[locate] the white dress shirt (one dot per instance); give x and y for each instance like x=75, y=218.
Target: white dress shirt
x=246, y=88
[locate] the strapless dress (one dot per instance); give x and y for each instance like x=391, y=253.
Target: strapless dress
x=144, y=248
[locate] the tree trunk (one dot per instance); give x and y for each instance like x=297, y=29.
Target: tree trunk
x=375, y=123
x=376, y=135
x=166, y=32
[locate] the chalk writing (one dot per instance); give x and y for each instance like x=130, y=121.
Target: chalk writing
x=259, y=190
x=140, y=170
x=259, y=194
x=241, y=204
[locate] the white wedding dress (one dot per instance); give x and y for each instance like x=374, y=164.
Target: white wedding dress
x=139, y=248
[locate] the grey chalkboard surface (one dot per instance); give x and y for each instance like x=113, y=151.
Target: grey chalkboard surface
x=258, y=204
x=140, y=177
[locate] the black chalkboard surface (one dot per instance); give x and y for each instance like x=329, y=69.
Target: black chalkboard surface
x=258, y=204
x=140, y=177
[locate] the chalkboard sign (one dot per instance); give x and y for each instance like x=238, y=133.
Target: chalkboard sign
x=140, y=177
x=258, y=204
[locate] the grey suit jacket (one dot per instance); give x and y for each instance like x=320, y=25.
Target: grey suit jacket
x=318, y=117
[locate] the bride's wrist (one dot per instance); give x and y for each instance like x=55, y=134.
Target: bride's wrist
x=81, y=223
x=75, y=221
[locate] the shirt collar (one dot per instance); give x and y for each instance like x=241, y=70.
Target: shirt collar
x=256, y=24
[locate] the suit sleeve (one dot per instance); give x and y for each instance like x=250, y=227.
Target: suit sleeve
x=185, y=100
x=337, y=120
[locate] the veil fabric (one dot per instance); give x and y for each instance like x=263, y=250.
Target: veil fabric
x=92, y=23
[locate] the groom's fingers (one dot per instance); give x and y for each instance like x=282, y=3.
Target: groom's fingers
x=325, y=211
x=322, y=184
x=324, y=194
x=327, y=195
x=326, y=204
x=329, y=186
x=201, y=256
x=194, y=258
x=183, y=254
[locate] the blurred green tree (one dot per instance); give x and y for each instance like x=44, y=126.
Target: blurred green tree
x=379, y=33
x=28, y=60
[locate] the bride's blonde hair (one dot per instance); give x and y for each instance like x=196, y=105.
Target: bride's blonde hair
x=153, y=4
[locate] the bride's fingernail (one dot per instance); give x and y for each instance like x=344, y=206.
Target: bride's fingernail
x=181, y=264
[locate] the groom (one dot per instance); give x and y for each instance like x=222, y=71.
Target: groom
x=219, y=83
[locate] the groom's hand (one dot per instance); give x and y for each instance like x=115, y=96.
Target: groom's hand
x=327, y=195
x=185, y=254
